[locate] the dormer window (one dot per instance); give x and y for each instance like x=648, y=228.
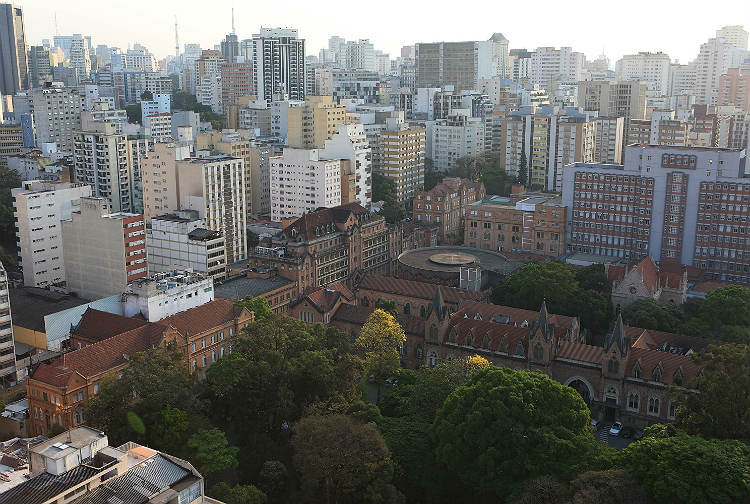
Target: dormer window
x=637, y=370
x=677, y=378
x=478, y=316
x=656, y=375
x=503, y=347
x=519, y=350
x=486, y=341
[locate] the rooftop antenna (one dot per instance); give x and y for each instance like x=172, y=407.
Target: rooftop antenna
x=176, y=40
x=232, y=20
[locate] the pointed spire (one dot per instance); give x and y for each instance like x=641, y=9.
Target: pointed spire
x=618, y=336
x=543, y=314
x=438, y=304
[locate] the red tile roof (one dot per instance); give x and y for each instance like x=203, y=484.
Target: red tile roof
x=496, y=333
x=421, y=290
x=96, y=325
x=204, y=317
x=358, y=315
x=325, y=220
x=516, y=315
x=650, y=273
x=101, y=356
x=323, y=299
x=580, y=352
x=343, y=289
x=669, y=362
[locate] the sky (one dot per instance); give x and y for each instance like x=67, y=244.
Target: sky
x=674, y=27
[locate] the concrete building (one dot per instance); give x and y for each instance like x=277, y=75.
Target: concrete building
x=101, y=160
x=14, y=66
x=39, y=209
x=256, y=116
x=682, y=79
x=11, y=142
x=7, y=344
x=231, y=143
x=40, y=68
x=684, y=204
x=80, y=59
x=159, y=179
x=260, y=177
x=278, y=56
x=57, y=115
x=734, y=35
x=350, y=143
x=158, y=127
x=236, y=81
x=301, y=181
x=614, y=99
x=652, y=68
x=167, y=293
x=549, y=65
x=455, y=137
x=524, y=222
x=734, y=89
x=160, y=103
x=207, y=76
x=103, y=251
x=214, y=186
x=179, y=241
x=662, y=129
x=310, y=124
x=609, y=139
x=712, y=62
x=402, y=153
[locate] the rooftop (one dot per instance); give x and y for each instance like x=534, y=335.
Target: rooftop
x=31, y=305
x=63, y=444
x=423, y=259
x=238, y=289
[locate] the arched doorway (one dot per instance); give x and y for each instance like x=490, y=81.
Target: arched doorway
x=583, y=389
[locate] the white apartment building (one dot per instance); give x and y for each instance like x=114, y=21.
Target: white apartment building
x=139, y=59
x=101, y=160
x=609, y=139
x=160, y=103
x=302, y=181
x=80, y=59
x=159, y=179
x=40, y=206
x=162, y=295
x=455, y=137
x=492, y=57
x=682, y=79
x=57, y=114
x=556, y=65
x=712, y=62
x=350, y=142
x=653, y=68
x=159, y=127
x=7, y=345
x=734, y=35
x=179, y=241
x=279, y=57
x=215, y=187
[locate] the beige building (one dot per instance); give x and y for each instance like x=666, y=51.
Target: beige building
x=57, y=114
x=11, y=142
x=311, y=124
x=103, y=251
x=662, y=129
x=609, y=139
x=215, y=187
x=614, y=99
x=402, y=153
x=231, y=143
x=260, y=178
x=159, y=179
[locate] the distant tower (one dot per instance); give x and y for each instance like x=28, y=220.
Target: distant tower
x=176, y=41
x=233, y=21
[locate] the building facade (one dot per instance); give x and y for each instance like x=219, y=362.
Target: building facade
x=402, y=153
x=445, y=206
x=14, y=65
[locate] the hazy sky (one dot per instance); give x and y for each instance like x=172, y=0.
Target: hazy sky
x=675, y=27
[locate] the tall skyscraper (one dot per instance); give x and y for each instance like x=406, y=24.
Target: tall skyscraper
x=279, y=58
x=13, y=62
x=80, y=57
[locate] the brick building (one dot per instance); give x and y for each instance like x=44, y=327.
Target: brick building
x=647, y=280
x=57, y=390
x=523, y=222
x=444, y=206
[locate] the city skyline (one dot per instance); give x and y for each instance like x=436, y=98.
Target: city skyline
x=208, y=28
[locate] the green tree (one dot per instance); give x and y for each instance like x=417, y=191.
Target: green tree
x=730, y=305
x=211, y=452
x=388, y=306
x=653, y=314
x=341, y=460
x=273, y=480
x=593, y=278
x=432, y=177
x=494, y=178
x=523, y=170
x=721, y=408
x=170, y=432
x=614, y=487
x=503, y=427
x=9, y=179
x=147, y=95
x=259, y=306
x=470, y=167
x=543, y=490
x=384, y=189
x=682, y=468
x=378, y=342
x=238, y=494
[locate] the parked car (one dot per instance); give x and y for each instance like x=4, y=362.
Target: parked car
x=616, y=429
x=595, y=424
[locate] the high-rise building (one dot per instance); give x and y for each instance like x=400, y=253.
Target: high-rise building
x=232, y=144
x=625, y=99
x=734, y=35
x=313, y=122
x=80, y=59
x=550, y=65
x=159, y=179
x=7, y=345
x=301, y=181
x=13, y=64
x=278, y=56
x=609, y=139
x=57, y=115
x=712, y=62
x=734, y=89
x=350, y=143
x=103, y=251
x=179, y=241
x=207, y=76
x=402, y=153
x=11, y=141
x=214, y=186
x=461, y=64
x=40, y=207
x=652, y=68
x=457, y=136
x=236, y=81
x=686, y=204
x=230, y=48
x=663, y=128
x=40, y=68
x=101, y=160
x=260, y=176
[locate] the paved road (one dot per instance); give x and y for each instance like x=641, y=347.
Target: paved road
x=603, y=435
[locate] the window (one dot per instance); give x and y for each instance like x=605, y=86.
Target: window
x=407, y=309
x=538, y=352
x=434, y=333
x=432, y=360
x=653, y=405
x=452, y=335
x=613, y=366
x=422, y=311
x=634, y=401
x=677, y=378
x=204, y=361
x=213, y=356
x=96, y=388
x=418, y=352
x=656, y=375
x=637, y=370
x=469, y=338
x=671, y=413
x=486, y=341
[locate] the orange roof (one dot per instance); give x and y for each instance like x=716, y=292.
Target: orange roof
x=669, y=362
x=579, y=352
x=204, y=317
x=101, y=356
x=358, y=315
x=98, y=325
x=650, y=273
x=515, y=315
x=496, y=333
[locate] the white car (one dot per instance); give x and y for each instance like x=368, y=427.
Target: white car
x=616, y=429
